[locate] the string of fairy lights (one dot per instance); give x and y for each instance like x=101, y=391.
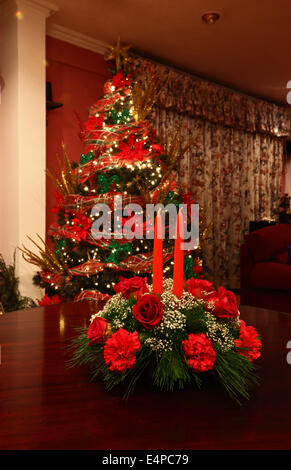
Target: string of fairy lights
x=137, y=167
x=115, y=151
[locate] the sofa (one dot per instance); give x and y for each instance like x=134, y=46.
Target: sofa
x=266, y=268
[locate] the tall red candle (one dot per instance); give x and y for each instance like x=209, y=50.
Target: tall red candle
x=158, y=257
x=178, y=277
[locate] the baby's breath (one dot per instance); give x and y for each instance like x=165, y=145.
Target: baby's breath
x=172, y=320
x=219, y=332
x=119, y=306
x=188, y=301
x=158, y=345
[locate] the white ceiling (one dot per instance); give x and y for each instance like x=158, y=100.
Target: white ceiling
x=249, y=48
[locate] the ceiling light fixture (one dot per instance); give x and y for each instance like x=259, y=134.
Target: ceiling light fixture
x=210, y=17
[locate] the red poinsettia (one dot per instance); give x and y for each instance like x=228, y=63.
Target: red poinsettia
x=132, y=150
x=199, y=352
x=120, y=350
x=199, y=287
x=80, y=226
x=157, y=148
x=97, y=330
x=188, y=199
x=94, y=122
x=224, y=303
x=197, y=268
x=248, y=344
x=60, y=201
x=46, y=300
x=119, y=81
x=134, y=286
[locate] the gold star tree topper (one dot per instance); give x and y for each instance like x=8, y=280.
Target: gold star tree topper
x=117, y=52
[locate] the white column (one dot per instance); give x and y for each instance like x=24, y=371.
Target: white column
x=22, y=130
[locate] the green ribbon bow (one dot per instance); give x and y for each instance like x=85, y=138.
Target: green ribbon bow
x=59, y=244
x=86, y=158
x=117, y=251
x=105, y=183
x=172, y=198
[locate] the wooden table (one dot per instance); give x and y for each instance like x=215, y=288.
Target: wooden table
x=44, y=405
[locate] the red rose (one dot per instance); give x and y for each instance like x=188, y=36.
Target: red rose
x=224, y=302
x=248, y=344
x=148, y=311
x=120, y=349
x=135, y=286
x=198, y=287
x=97, y=330
x=199, y=352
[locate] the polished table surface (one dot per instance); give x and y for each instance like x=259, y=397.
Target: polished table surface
x=45, y=405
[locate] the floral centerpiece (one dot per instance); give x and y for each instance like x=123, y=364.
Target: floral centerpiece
x=179, y=340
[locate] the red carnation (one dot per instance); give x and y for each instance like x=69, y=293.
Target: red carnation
x=135, y=286
x=120, y=349
x=248, y=344
x=46, y=300
x=199, y=287
x=97, y=330
x=199, y=352
x=148, y=311
x=224, y=302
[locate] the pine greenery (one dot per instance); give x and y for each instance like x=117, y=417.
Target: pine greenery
x=236, y=373
x=170, y=371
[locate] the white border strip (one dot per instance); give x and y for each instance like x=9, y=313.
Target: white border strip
x=77, y=39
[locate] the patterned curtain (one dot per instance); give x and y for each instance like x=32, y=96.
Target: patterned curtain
x=234, y=165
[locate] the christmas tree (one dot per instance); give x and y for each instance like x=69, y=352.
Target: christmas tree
x=123, y=158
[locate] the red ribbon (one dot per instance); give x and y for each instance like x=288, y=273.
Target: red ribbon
x=92, y=295
x=141, y=263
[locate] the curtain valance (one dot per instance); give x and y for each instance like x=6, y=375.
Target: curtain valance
x=200, y=98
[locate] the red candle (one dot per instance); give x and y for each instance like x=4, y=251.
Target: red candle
x=178, y=277
x=158, y=257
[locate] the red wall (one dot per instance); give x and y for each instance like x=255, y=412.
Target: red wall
x=77, y=77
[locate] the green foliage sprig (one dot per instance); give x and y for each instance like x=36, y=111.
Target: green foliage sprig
x=10, y=296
